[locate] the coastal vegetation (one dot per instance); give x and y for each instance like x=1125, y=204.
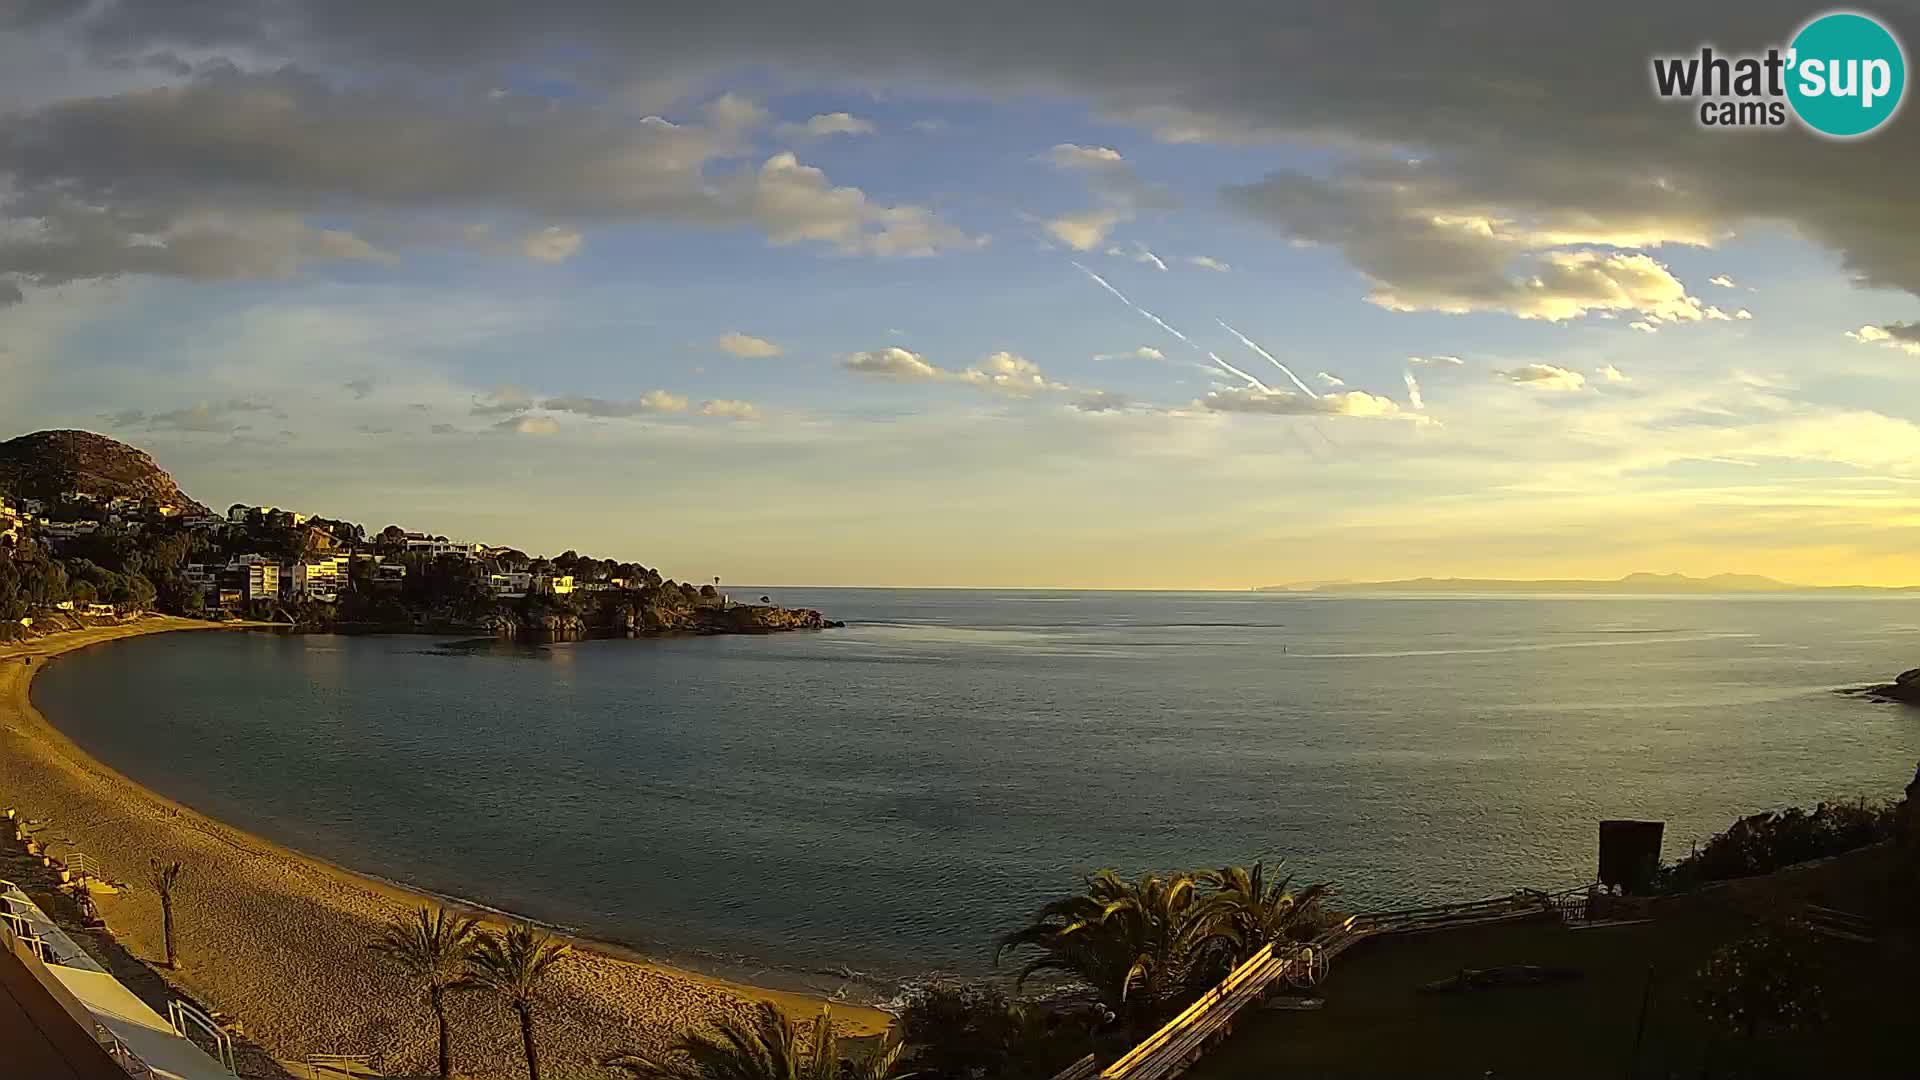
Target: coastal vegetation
x=974, y=1031
x=1765, y=984
x=514, y=966
x=764, y=1045
x=1147, y=948
x=165, y=878
x=1764, y=842
x=432, y=947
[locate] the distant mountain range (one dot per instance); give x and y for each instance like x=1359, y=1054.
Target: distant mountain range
x=1632, y=583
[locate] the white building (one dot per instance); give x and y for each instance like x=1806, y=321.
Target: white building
x=318, y=579
x=510, y=583
x=434, y=548
x=259, y=581
x=201, y=576
x=68, y=530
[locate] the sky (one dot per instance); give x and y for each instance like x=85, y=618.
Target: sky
x=1090, y=295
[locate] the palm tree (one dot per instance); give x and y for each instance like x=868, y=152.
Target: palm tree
x=165, y=878
x=1248, y=911
x=514, y=965
x=1137, y=944
x=764, y=1045
x=432, y=947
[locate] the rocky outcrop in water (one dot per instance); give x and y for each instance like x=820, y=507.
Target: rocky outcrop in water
x=1905, y=688
x=760, y=619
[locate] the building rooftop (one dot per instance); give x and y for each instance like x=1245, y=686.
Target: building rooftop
x=67, y=1017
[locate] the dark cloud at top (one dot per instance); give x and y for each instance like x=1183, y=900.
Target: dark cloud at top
x=1516, y=110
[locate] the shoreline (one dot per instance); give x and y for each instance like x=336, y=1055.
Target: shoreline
x=277, y=939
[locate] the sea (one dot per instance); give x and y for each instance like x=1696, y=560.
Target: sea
x=858, y=809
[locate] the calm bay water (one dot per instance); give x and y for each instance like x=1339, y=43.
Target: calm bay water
x=890, y=796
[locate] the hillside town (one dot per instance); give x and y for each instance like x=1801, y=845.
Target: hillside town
x=95, y=554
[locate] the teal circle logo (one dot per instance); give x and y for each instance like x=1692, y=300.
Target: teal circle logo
x=1846, y=74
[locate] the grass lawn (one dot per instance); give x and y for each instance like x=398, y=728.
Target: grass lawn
x=1377, y=1023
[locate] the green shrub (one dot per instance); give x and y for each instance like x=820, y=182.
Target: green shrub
x=1765, y=842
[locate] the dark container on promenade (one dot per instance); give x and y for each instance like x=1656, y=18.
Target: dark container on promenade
x=1630, y=854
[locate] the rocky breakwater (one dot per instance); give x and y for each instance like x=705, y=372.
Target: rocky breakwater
x=761, y=619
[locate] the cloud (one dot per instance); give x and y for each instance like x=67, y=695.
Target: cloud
x=1356, y=403
x=1002, y=372
x=730, y=409
x=1486, y=149
x=1422, y=254
x=1208, y=262
x=823, y=125
x=1743, y=313
x=1723, y=281
x=552, y=244
x=444, y=429
x=1084, y=231
x=1009, y=373
x=893, y=363
x=215, y=417
x=1072, y=156
x=1330, y=379
x=1144, y=352
x=1611, y=374
x=504, y=399
x=1436, y=361
x=795, y=204
x=1120, y=190
x=1149, y=258
x=1095, y=401
x=653, y=401
x=10, y=294
x=929, y=125
x=1542, y=377
x=529, y=425
x=1902, y=336
x=359, y=388
x=746, y=345
x=224, y=175
x=1643, y=326
x=1413, y=391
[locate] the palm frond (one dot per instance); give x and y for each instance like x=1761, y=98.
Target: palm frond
x=514, y=964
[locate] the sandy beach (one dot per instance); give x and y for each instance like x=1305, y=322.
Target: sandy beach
x=278, y=941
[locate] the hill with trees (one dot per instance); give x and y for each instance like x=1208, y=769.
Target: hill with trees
x=98, y=528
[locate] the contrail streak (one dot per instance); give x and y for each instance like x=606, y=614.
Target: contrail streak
x=1287, y=371
x=1262, y=387
x=1413, y=392
x=1162, y=324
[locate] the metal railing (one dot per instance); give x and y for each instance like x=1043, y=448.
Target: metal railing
x=122, y=1054
x=1180, y=1042
x=23, y=930
x=181, y=1013
x=338, y=1065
